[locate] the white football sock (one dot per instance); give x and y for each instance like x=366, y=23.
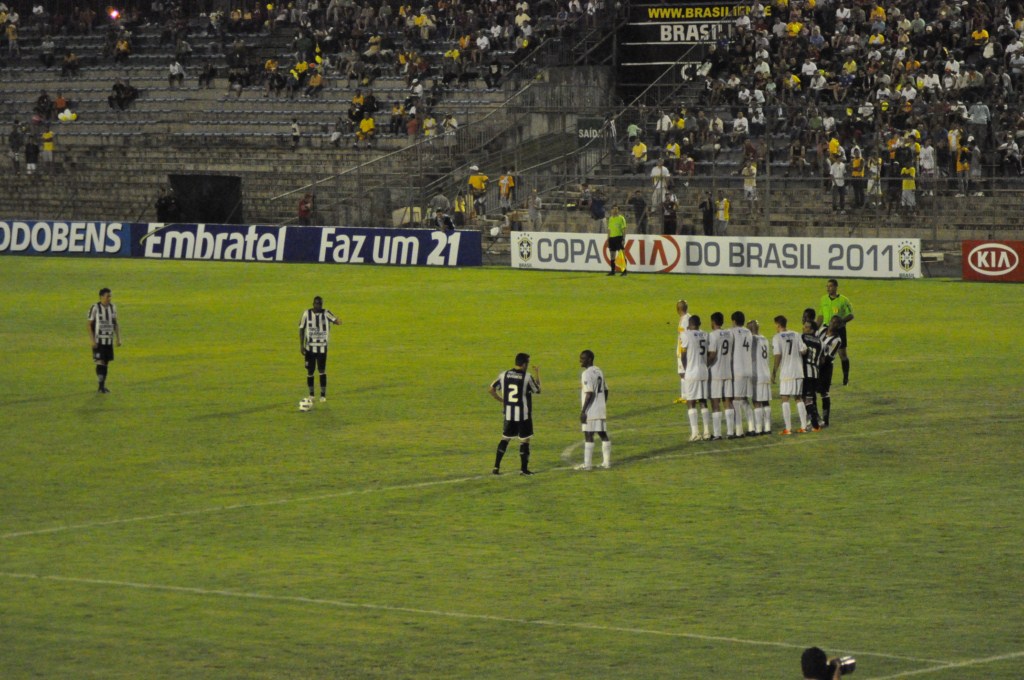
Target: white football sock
x=694, y=430
x=730, y=422
x=787, y=416
x=757, y=418
x=588, y=454
x=606, y=453
x=751, y=410
x=716, y=422
x=766, y=419
x=801, y=408
x=705, y=415
x=682, y=388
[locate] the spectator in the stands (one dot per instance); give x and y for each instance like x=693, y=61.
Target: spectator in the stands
x=175, y=74
x=70, y=66
x=315, y=84
x=43, y=108
x=47, y=51
x=122, y=95
x=207, y=75
x=122, y=48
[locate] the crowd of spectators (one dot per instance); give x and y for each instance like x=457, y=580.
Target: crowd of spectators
x=435, y=47
x=878, y=97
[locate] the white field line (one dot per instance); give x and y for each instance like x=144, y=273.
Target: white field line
x=240, y=506
x=954, y=664
x=341, y=604
x=701, y=449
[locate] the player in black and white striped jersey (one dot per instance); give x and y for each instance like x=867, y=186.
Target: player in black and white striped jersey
x=515, y=388
x=314, y=335
x=831, y=341
x=810, y=386
x=104, y=331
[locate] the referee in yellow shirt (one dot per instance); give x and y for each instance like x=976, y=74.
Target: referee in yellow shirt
x=616, y=238
x=833, y=304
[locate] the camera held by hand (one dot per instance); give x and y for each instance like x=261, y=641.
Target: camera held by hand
x=817, y=666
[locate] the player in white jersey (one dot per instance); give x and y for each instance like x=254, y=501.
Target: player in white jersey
x=742, y=372
x=762, y=381
x=789, y=348
x=694, y=357
x=720, y=349
x=314, y=334
x=594, y=412
x=682, y=308
x=104, y=331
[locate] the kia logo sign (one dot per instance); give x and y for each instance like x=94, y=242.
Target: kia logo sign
x=659, y=254
x=993, y=259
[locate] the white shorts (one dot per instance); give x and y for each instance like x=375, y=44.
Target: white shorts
x=741, y=387
x=594, y=426
x=763, y=392
x=721, y=388
x=695, y=390
x=793, y=387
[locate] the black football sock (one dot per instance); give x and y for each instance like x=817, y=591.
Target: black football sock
x=846, y=371
x=812, y=411
x=524, y=456
x=502, y=446
x=309, y=383
x=826, y=408
x=323, y=384
x=101, y=375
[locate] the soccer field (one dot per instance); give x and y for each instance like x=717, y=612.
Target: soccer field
x=193, y=523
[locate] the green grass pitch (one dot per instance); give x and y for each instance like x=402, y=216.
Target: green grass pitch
x=194, y=524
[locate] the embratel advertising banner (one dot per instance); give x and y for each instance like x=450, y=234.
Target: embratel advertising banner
x=252, y=243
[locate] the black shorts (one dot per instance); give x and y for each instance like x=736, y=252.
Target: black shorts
x=810, y=387
x=615, y=242
x=315, y=360
x=825, y=378
x=842, y=337
x=103, y=354
x=522, y=429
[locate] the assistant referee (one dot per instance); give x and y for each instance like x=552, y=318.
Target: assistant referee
x=834, y=304
x=616, y=238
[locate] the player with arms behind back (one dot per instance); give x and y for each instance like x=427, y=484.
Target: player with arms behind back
x=742, y=372
x=694, y=358
x=789, y=349
x=720, y=349
x=594, y=412
x=762, y=382
x=515, y=388
x=682, y=308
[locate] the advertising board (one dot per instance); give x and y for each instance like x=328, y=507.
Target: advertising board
x=246, y=243
x=747, y=256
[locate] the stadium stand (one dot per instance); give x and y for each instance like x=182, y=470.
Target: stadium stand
x=793, y=88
